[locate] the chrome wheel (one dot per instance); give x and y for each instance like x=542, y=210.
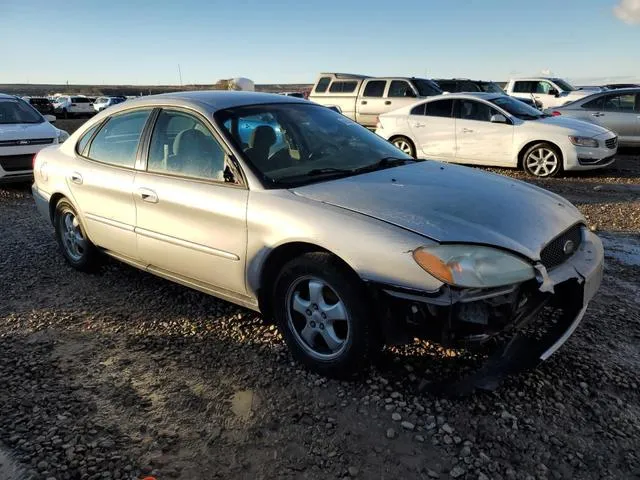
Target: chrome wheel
x=72, y=238
x=403, y=145
x=542, y=162
x=318, y=318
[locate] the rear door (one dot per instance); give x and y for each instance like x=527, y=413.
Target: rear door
x=191, y=218
x=433, y=128
x=101, y=180
x=371, y=102
x=477, y=139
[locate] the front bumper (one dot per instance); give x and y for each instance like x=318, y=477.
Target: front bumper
x=474, y=319
x=592, y=158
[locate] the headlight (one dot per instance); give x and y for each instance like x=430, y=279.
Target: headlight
x=473, y=266
x=583, y=141
x=62, y=136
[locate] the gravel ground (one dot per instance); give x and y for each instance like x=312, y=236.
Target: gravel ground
x=120, y=374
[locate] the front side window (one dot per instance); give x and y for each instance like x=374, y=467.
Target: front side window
x=400, y=88
x=343, y=86
x=620, y=103
x=323, y=84
x=318, y=144
x=18, y=111
x=117, y=141
x=375, y=88
x=472, y=110
x=182, y=145
x=470, y=87
x=491, y=87
x=544, y=88
x=517, y=108
x=566, y=86
x=439, y=108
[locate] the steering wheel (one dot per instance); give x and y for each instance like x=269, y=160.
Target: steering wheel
x=326, y=149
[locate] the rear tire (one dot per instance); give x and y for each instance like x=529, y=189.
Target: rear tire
x=76, y=247
x=542, y=160
x=404, y=144
x=323, y=313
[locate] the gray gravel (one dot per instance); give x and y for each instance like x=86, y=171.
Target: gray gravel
x=119, y=374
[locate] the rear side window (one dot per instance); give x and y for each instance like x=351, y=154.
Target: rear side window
x=439, y=108
x=470, y=87
x=86, y=138
x=524, y=87
x=323, y=83
x=595, y=104
x=375, y=88
x=400, y=88
x=340, y=86
x=117, y=142
x=419, y=109
x=447, y=86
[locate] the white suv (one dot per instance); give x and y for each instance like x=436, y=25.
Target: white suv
x=69, y=106
x=23, y=133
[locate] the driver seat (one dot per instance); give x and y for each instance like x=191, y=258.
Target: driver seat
x=260, y=143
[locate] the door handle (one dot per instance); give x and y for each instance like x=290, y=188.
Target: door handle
x=388, y=102
x=76, y=178
x=148, y=195
x=419, y=125
x=467, y=130
x=597, y=114
x=364, y=102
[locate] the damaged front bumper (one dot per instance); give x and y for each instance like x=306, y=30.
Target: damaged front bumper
x=470, y=318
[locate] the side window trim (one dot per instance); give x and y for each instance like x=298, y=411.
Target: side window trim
x=98, y=127
x=229, y=158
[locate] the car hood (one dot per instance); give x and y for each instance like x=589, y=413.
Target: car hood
x=451, y=203
x=580, y=127
x=26, y=131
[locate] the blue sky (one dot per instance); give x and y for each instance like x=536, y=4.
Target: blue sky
x=273, y=41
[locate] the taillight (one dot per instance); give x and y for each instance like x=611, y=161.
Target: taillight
x=33, y=161
x=556, y=113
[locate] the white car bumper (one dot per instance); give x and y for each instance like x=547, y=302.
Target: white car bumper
x=591, y=158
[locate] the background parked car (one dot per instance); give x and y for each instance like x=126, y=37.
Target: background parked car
x=73, y=106
x=23, y=133
x=461, y=85
x=549, y=91
x=363, y=98
x=104, y=102
x=614, y=86
x=42, y=104
x=617, y=110
x=497, y=130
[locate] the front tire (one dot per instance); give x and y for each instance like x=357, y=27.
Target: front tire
x=76, y=247
x=323, y=314
x=404, y=144
x=542, y=160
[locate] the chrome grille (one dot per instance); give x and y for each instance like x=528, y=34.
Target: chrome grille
x=25, y=142
x=553, y=254
x=611, y=143
x=14, y=163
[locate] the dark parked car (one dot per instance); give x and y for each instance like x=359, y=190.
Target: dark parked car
x=615, y=86
x=459, y=85
x=43, y=105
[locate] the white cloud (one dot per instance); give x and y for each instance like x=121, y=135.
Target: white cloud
x=628, y=11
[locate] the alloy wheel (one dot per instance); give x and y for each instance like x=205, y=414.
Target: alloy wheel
x=72, y=238
x=542, y=162
x=403, y=145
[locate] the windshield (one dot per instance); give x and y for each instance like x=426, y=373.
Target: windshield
x=567, y=87
x=490, y=87
x=517, y=108
x=426, y=88
x=292, y=144
x=18, y=111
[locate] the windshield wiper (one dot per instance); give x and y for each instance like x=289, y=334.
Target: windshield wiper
x=386, y=162
x=327, y=170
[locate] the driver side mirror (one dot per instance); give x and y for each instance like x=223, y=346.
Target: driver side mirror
x=554, y=92
x=498, y=118
x=50, y=118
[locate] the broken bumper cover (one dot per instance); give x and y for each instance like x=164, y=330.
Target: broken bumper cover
x=455, y=317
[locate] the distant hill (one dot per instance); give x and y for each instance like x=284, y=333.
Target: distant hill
x=31, y=89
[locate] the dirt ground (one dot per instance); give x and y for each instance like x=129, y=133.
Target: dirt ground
x=119, y=374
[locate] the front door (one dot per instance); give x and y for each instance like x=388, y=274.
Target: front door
x=618, y=113
x=101, y=180
x=191, y=222
x=478, y=140
x=433, y=128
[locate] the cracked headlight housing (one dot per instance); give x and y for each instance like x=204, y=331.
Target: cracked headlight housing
x=473, y=266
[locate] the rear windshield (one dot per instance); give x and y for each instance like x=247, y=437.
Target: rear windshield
x=18, y=111
x=80, y=100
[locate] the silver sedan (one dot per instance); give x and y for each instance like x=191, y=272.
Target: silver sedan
x=293, y=210
x=618, y=110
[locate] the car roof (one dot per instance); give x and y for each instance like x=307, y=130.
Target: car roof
x=470, y=95
x=6, y=96
x=214, y=99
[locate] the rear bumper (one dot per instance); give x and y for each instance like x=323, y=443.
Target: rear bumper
x=42, y=201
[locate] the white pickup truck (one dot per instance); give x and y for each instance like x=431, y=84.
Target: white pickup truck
x=363, y=98
x=550, y=91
